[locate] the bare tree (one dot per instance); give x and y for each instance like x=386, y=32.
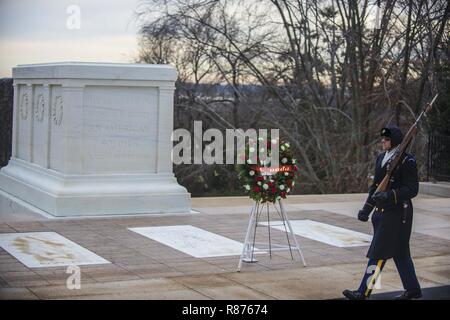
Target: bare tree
x=329, y=78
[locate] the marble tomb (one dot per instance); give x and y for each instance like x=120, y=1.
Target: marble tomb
x=92, y=139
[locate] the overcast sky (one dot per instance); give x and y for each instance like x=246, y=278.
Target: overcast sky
x=37, y=31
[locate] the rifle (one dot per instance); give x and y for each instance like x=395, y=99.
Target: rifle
x=395, y=159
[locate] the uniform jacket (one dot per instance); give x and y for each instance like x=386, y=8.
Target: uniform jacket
x=391, y=235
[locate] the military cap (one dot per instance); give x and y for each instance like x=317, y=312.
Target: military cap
x=394, y=133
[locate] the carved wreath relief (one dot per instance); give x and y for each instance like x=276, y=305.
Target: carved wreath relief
x=23, y=109
x=57, y=111
x=39, y=109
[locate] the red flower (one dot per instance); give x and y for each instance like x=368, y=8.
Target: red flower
x=260, y=178
x=257, y=189
x=274, y=190
x=295, y=168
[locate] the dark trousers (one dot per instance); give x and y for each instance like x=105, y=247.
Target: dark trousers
x=405, y=268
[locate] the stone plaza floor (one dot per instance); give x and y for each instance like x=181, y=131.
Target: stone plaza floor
x=142, y=268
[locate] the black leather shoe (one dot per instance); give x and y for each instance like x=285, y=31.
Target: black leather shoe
x=353, y=295
x=410, y=294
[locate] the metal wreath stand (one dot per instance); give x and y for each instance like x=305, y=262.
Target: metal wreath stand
x=249, y=245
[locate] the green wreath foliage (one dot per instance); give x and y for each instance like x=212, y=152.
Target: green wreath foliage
x=267, y=188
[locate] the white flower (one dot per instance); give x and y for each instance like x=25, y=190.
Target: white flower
x=262, y=150
x=281, y=187
x=288, y=189
x=278, y=198
x=294, y=160
x=258, y=183
x=252, y=149
x=282, y=148
x=249, y=161
x=293, y=182
x=260, y=139
x=265, y=186
x=286, y=174
x=287, y=144
x=274, y=141
x=252, y=173
x=247, y=187
x=284, y=160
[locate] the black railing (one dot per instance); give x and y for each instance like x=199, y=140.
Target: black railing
x=438, y=166
x=6, y=111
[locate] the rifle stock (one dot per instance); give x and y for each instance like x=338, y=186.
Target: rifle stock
x=383, y=186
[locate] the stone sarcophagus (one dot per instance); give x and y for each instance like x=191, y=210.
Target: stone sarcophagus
x=93, y=139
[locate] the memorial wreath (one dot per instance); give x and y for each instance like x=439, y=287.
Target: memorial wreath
x=262, y=182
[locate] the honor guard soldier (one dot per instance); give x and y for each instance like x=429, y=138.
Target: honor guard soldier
x=391, y=220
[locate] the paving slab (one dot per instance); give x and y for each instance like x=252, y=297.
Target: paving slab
x=142, y=268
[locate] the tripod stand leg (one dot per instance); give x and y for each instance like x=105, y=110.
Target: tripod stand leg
x=246, y=246
x=285, y=228
x=283, y=212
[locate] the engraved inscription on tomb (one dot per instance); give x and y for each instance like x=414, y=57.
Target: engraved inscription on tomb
x=119, y=129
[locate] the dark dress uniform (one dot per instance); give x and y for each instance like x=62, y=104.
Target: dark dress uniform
x=392, y=222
